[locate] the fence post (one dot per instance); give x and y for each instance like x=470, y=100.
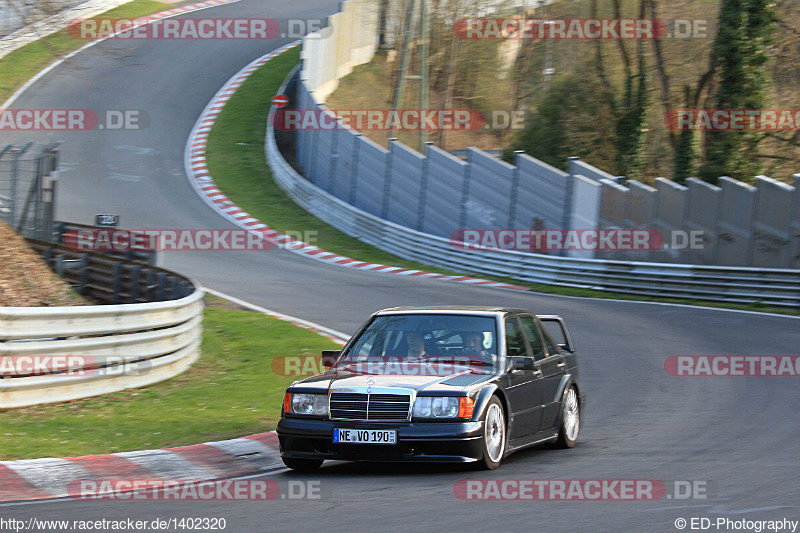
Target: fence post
x=423, y=186
x=462, y=219
x=354, y=174
x=17, y=153
x=387, y=182
x=568, y=207
x=512, y=210
x=334, y=157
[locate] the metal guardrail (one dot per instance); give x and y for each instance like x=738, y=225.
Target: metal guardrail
x=110, y=347
x=144, y=256
x=775, y=287
x=112, y=280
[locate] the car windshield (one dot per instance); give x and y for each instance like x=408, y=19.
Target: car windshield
x=410, y=339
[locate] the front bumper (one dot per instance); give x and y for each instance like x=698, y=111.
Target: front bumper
x=452, y=442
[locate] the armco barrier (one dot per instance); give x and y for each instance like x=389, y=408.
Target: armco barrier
x=110, y=279
x=776, y=287
x=118, y=346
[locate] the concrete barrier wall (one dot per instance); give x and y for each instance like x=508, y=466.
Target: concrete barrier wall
x=731, y=224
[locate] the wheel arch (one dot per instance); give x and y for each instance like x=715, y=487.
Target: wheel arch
x=482, y=401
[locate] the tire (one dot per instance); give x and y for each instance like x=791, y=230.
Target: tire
x=494, y=435
x=570, y=423
x=302, y=465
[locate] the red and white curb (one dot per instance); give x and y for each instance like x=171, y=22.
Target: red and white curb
x=203, y=183
x=38, y=479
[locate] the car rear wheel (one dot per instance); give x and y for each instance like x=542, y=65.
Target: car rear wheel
x=302, y=465
x=570, y=419
x=494, y=434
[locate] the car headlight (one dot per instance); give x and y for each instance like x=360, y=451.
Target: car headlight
x=443, y=407
x=305, y=404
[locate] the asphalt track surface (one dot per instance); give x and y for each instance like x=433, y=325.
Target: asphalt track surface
x=739, y=436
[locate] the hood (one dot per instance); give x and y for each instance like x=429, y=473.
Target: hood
x=420, y=380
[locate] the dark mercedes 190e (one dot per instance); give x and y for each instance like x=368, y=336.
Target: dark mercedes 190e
x=445, y=384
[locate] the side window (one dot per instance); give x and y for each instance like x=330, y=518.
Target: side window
x=534, y=338
x=515, y=342
x=551, y=347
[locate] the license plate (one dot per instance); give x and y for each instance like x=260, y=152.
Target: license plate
x=365, y=436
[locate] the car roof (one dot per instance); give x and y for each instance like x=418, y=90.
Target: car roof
x=451, y=309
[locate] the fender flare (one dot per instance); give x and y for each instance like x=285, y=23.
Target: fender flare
x=482, y=400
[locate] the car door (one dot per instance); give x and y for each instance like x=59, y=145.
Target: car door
x=524, y=390
x=553, y=368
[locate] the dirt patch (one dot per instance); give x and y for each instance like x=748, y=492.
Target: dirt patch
x=25, y=279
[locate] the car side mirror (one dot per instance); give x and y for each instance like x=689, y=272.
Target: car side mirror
x=521, y=363
x=329, y=357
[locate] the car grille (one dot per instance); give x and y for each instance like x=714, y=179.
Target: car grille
x=356, y=406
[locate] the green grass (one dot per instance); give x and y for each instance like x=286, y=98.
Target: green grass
x=20, y=65
x=229, y=392
x=236, y=160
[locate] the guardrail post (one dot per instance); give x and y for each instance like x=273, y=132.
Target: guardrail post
x=134, y=290
x=173, y=289
x=84, y=273
x=60, y=265
x=151, y=284
x=116, y=286
x=162, y=283
x=47, y=255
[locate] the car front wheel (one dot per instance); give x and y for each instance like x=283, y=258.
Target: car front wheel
x=570, y=419
x=494, y=434
x=302, y=465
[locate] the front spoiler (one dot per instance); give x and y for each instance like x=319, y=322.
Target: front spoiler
x=456, y=442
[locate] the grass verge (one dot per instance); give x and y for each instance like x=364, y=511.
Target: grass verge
x=20, y=65
x=229, y=392
x=236, y=160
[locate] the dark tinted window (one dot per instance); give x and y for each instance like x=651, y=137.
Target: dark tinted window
x=515, y=342
x=534, y=338
x=551, y=347
x=423, y=334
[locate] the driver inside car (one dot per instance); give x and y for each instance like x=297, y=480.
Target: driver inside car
x=473, y=345
x=416, y=343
